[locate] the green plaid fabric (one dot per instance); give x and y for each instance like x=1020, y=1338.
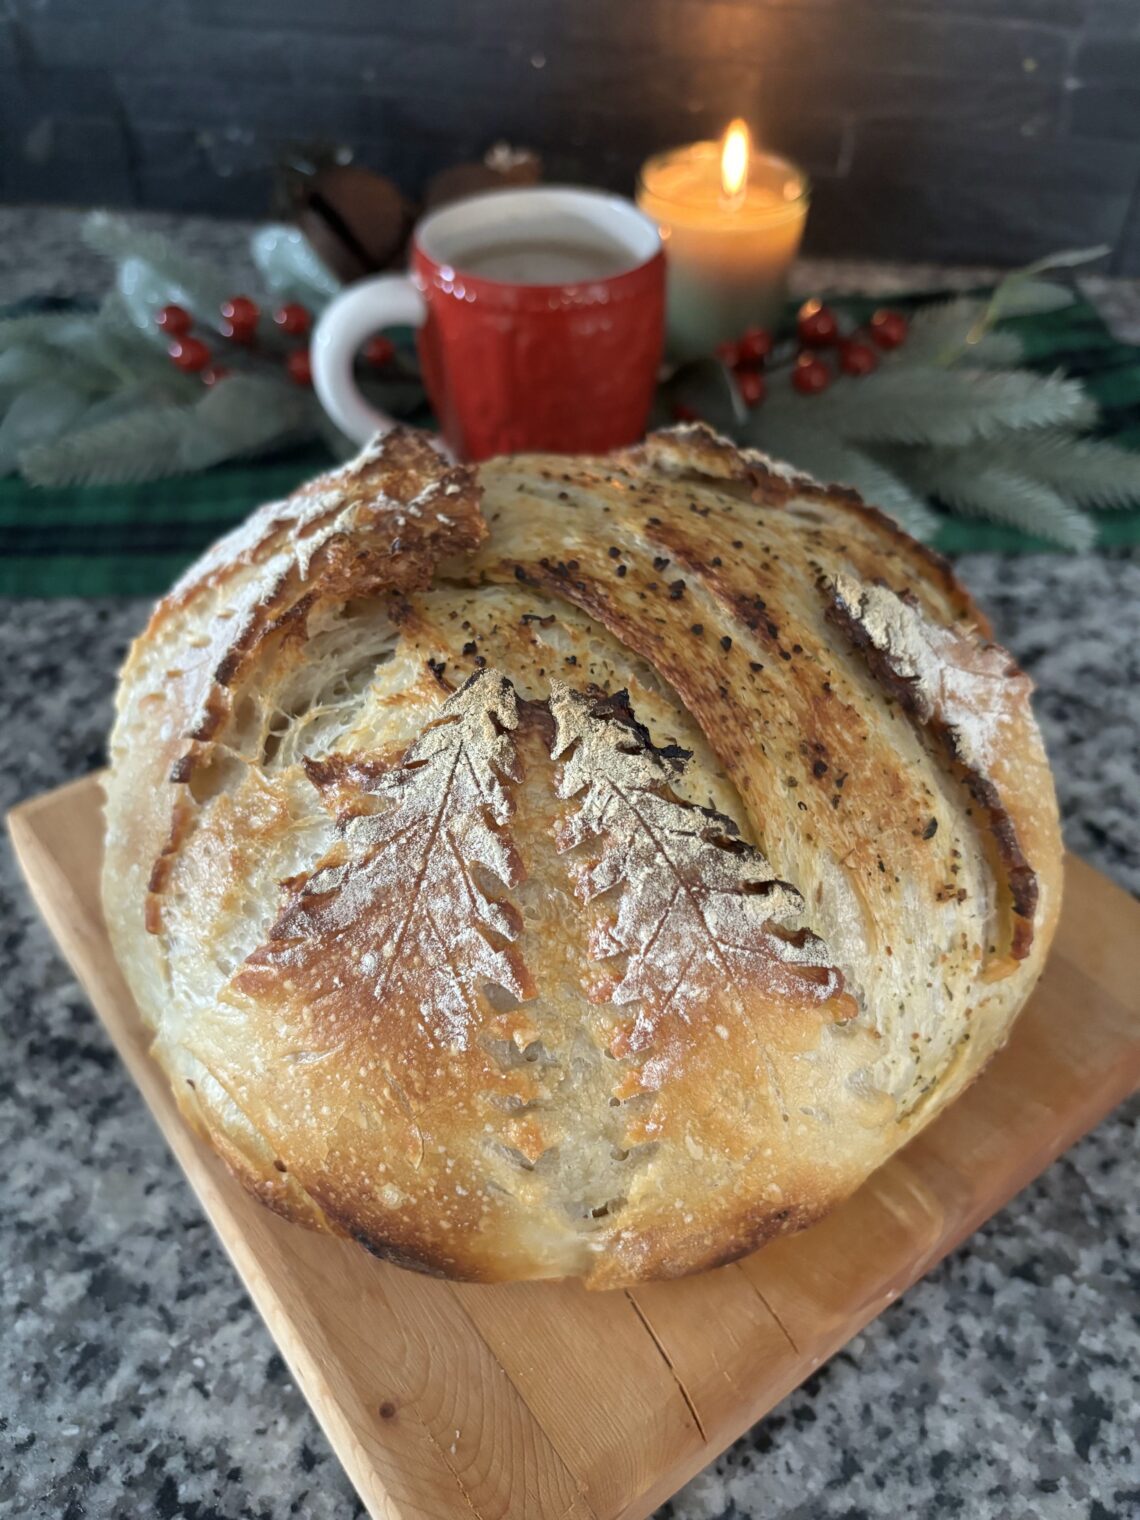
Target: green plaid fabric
x=134, y=540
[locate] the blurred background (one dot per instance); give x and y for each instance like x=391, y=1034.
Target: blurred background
x=969, y=130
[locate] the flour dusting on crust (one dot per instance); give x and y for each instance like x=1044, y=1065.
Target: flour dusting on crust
x=698, y=908
x=395, y=910
x=971, y=696
x=968, y=685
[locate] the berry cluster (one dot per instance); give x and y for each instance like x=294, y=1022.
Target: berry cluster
x=240, y=318
x=817, y=331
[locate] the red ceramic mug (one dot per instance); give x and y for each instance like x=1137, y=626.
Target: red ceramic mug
x=540, y=314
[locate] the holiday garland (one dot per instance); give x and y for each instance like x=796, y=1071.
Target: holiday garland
x=930, y=409
x=174, y=372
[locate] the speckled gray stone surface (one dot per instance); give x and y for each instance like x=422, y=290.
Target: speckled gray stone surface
x=137, y=1380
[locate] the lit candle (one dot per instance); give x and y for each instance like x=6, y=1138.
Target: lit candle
x=731, y=218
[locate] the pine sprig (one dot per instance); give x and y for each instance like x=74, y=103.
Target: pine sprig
x=947, y=417
x=28, y=365
x=1000, y=492
x=37, y=327
x=42, y=411
x=1023, y=294
x=238, y=417
x=948, y=331
x=1087, y=472
x=929, y=405
x=193, y=283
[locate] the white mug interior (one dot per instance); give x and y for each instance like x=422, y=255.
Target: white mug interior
x=555, y=213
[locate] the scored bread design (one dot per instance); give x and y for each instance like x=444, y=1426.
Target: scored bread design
x=572, y=866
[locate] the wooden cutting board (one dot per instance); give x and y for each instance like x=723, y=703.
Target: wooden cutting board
x=539, y=1401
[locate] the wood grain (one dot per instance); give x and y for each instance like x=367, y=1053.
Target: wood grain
x=541, y=1401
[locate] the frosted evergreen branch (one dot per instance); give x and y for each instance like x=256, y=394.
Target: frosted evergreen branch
x=41, y=413
x=290, y=268
x=39, y=327
x=1017, y=297
x=948, y=331
x=1064, y=258
x=21, y=368
x=139, y=397
x=247, y=414
x=1001, y=493
x=114, y=318
x=1086, y=472
x=900, y=404
x=994, y=350
x=93, y=350
x=1022, y=294
x=939, y=332
x=234, y=419
x=196, y=283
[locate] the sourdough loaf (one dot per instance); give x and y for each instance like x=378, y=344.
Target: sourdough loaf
x=573, y=866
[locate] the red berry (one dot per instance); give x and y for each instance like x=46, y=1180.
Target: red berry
x=241, y=309
x=728, y=352
x=379, y=352
x=889, y=328
x=189, y=354
x=683, y=413
x=817, y=325
x=750, y=384
x=857, y=358
x=214, y=373
x=811, y=375
x=241, y=317
x=293, y=318
x=300, y=366
x=754, y=346
x=174, y=320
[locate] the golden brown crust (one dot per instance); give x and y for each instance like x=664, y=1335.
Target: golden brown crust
x=379, y=524
x=695, y=451
x=963, y=691
x=598, y=883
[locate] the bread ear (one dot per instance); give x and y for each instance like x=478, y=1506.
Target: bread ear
x=968, y=697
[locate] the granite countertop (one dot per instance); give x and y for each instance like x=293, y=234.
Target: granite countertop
x=136, y=1377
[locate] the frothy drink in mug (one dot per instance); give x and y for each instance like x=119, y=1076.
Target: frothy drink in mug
x=540, y=317
x=544, y=261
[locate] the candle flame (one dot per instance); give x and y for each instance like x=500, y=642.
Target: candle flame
x=735, y=152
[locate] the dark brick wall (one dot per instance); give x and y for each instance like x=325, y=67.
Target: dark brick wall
x=989, y=130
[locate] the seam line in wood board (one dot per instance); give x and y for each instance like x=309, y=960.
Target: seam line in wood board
x=684, y=1392
x=784, y=1331
x=443, y=1458
x=579, y=1486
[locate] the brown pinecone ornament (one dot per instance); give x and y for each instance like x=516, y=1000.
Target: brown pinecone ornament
x=356, y=221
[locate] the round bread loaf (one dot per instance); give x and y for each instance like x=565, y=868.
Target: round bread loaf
x=573, y=866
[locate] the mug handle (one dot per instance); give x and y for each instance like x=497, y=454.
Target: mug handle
x=387, y=300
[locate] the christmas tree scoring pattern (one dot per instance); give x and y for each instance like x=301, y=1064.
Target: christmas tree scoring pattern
x=699, y=911
x=393, y=917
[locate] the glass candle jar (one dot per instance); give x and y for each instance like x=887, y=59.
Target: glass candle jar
x=731, y=220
